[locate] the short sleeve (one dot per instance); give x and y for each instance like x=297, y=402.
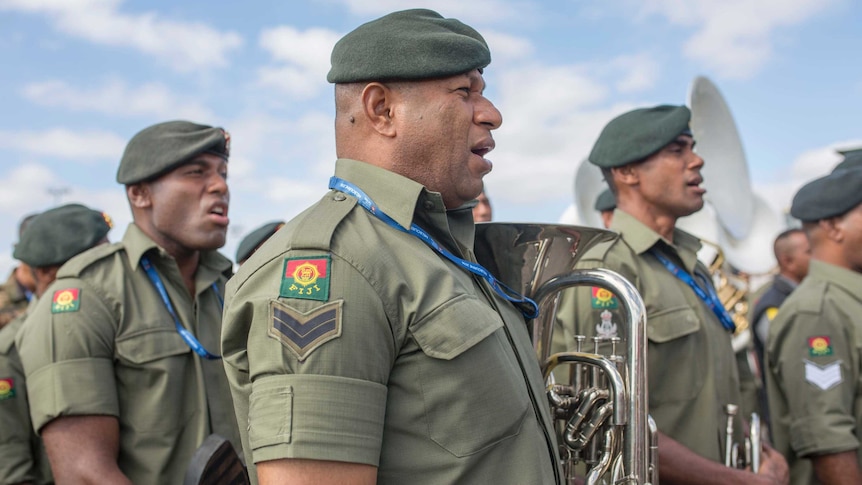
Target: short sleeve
x=814, y=365
x=67, y=348
x=18, y=464
x=317, y=368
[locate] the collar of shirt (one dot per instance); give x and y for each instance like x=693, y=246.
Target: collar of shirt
x=211, y=265
x=848, y=280
x=407, y=201
x=642, y=238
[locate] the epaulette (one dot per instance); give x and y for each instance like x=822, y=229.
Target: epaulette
x=810, y=300
x=75, y=266
x=600, y=250
x=315, y=226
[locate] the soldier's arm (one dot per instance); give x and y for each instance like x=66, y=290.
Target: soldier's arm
x=84, y=449
x=314, y=472
x=680, y=466
x=838, y=468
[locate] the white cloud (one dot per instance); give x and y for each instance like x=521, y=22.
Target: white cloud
x=84, y=146
x=183, y=45
x=505, y=47
x=734, y=37
x=301, y=59
x=114, y=97
x=476, y=10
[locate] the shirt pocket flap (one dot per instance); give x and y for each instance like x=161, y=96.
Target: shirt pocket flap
x=151, y=344
x=671, y=324
x=454, y=327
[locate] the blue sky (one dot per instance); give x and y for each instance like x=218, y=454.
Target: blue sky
x=80, y=77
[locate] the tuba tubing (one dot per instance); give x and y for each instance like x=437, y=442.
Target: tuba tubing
x=633, y=410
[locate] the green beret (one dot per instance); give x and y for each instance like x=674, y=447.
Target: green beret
x=255, y=239
x=160, y=148
x=634, y=136
x=411, y=44
x=829, y=196
x=852, y=159
x=54, y=236
x=606, y=201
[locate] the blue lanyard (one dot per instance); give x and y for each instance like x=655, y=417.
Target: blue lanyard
x=711, y=298
x=527, y=306
x=190, y=339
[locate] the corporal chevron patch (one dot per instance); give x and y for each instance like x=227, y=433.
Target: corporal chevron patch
x=304, y=332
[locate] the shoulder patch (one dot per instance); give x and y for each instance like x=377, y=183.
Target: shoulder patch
x=302, y=333
x=7, y=388
x=603, y=299
x=819, y=346
x=75, y=266
x=306, y=278
x=68, y=300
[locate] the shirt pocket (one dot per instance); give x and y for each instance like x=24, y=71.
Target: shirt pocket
x=474, y=391
x=676, y=356
x=152, y=371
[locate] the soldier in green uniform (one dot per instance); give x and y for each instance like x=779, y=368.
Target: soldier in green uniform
x=605, y=205
x=16, y=292
x=51, y=239
x=121, y=355
x=814, y=345
x=647, y=158
x=255, y=239
x=360, y=343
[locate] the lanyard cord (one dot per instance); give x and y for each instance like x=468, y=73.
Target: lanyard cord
x=187, y=336
x=527, y=306
x=711, y=298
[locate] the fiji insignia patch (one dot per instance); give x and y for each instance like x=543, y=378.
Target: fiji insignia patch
x=7, y=388
x=607, y=328
x=306, y=278
x=68, y=300
x=604, y=299
x=304, y=332
x=819, y=346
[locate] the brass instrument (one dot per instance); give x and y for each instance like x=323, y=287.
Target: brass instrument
x=752, y=444
x=601, y=414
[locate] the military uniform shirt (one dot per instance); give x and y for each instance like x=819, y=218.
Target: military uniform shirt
x=13, y=300
x=692, y=369
x=101, y=342
x=814, y=352
x=22, y=455
x=409, y=364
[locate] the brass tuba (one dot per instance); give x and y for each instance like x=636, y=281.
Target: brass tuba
x=601, y=414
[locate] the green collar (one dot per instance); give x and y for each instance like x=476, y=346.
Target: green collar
x=642, y=238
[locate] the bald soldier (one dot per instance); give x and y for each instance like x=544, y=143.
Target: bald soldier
x=647, y=158
x=814, y=347
x=49, y=240
x=361, y=345
x=122, y=363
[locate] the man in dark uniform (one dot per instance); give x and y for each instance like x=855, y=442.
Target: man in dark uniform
x=647, y=157
x=121, y=359
x=363, y=342
x=51, y=239
x=814, y=348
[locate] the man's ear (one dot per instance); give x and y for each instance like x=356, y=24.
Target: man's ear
x=626, y=175
x=139, y=195
x=833, y=228
x=377, y=106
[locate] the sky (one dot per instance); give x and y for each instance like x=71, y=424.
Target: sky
x=81, y=77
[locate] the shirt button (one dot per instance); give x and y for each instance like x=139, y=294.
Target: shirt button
x=429, y=205
x=339, y=197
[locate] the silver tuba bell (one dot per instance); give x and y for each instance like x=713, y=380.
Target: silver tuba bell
x=601, y=414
